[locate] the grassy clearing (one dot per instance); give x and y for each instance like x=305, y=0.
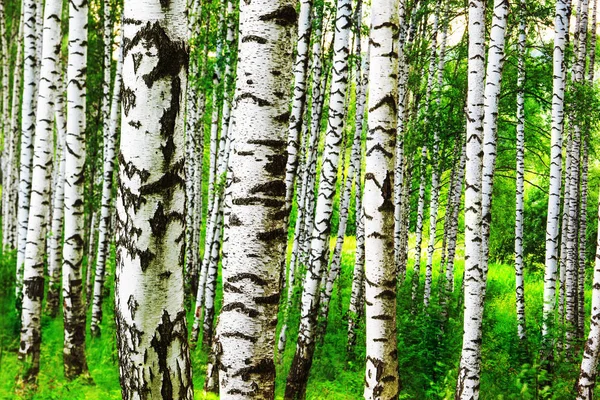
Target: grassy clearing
x=428, y=357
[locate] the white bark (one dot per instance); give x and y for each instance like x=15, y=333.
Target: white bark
x=589, y=363
x=306, y=189
x=151, y=324
x=33, y=280
x=561, y=29
x=520, y=171
x=381, y=379
x=74, y=308
x=255, y=229
x=319, y=246
x=474, y=281
x=299, y=96
x=27, y=133
x=56, y=233
x=495, y=63
x=110, y=143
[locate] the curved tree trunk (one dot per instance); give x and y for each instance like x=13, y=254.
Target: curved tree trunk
x=74, y=306
x=151, y=325
x=381, y=379
x=319, y=246
x=33, y=282
x=255, y=229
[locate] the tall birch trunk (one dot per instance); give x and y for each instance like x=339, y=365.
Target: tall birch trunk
x=27, y=132
x=470, y=362
x=73, y=303
x=495, y=63
x=151, y=320
x=33, y=280
x=381, y=379
x=319, y=85
x=561, y=31
x=587, y=375
x=299, y=96
x=520, y=170
x=319, y=244
x=110, y=143
x=255, y=229
x=58, y=204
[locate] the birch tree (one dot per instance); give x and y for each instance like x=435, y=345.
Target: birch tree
x=470, y=363
x=520, y=169
x=110, y=143
x=561, y=29
x=151, y=321
x=27, y=132
x=381, y=380
x=255, y=229
x=587, y=375
x=73, y=303
x=319, y=243
x=33, y=280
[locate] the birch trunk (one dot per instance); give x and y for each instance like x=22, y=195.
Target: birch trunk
x=151, y=325
x=355, y=160
x=582, y=239
x=495, y=63
x=561, y=29
x=587, y=375
x=299, y=96
x=58, y=204
x=255, y=229
x=27, y=132
x=13, y=178
x=33, y=280
x=110, y=143
x=73, y=303
x=319, y=246
x=381, y=379
x=520, y=170
x=470, y=363
x=319, y=85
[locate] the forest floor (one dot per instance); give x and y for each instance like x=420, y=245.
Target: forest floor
x=428, y=356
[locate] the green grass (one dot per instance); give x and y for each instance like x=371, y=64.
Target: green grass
x=428, y=357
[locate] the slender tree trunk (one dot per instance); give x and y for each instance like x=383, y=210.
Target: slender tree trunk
x=58, y=202
x=33, y=282
x=561, y=31
x=419, y=228
x=495, y=63
x=355, y=160
x=255, y=229
x=110, y=143
x=13, y=178
x=587, y=374
x=74, y=306
x=520, y=169
x=582, y=240
x=299, y=96
x=319, y=246
x=381, y=380
x=319, y=85
x=27, y=133
x=151, y=320
x=470, y=362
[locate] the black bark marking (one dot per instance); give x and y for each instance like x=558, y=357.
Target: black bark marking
x=254, y=38
x=276, y=165
x=284, y=16
x=127, y=98
x=252, y=277
x=272, y=299
x=241, y=307
x=34, y=288
x=271, y=235
x=272, y=188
